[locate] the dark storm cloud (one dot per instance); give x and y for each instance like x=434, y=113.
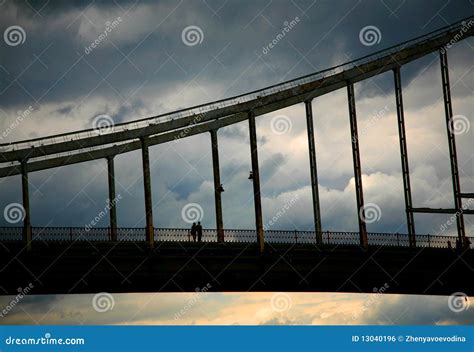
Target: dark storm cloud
x=270, y=166
x=233, y=38
x=65, y=110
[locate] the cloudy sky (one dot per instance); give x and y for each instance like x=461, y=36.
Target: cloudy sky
x=144, y=67
x=240, y=309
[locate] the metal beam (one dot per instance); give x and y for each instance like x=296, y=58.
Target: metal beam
x=314, y=171
x=404, y=157
x=27, y=233
x=217, y=186
x=256, y=183
x=226, y=117
x=283, y=98
x=112, y=200
x=467, y=195
x=122, y=148
x=147, y=186
x=442, y=211
x=357, y=166
x=452, y=144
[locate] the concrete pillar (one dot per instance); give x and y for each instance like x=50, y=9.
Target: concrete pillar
x=452, y=145
x=147, y=186
x=256, y=183
x=27, y=232
x=357, y=166
x=217, y=186
x=404, y=157
x=113, y=208
x=314, y=171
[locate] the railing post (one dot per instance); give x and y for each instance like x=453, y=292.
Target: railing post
x=296, y=236
x=328, y=237
x=314, y=170
x=357, y=166
x=256, y=182
x=147, y=186
x=112, y=200
x=27, y=231
x=217, y=186
x=404, y=157
x=429, y=241
x=70, y=234
x=452, y=145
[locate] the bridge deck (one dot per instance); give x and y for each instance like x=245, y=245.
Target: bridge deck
x=87, y=267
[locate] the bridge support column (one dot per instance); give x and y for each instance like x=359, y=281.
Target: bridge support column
x=404, y=157
x=27, y=233
x=217, y=186
x=452, y=145
x=112, y=200
x=314, y=171
x=256, y=183
x=147, y=185
x=357, y=166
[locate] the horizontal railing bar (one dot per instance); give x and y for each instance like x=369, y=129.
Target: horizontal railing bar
x=210, y=230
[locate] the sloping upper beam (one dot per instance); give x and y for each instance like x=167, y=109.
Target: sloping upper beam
x=277, y=101
x=200, y=124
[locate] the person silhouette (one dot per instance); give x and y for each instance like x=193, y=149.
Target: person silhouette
x=467, y=243
x=193, y=231
x=199, y=231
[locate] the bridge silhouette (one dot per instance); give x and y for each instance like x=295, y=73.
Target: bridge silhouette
x=72, y=260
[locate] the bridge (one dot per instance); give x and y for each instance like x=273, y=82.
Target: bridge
x=75, y=260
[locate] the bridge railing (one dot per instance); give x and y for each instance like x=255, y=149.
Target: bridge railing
x=103, y=234
x=242, y=98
